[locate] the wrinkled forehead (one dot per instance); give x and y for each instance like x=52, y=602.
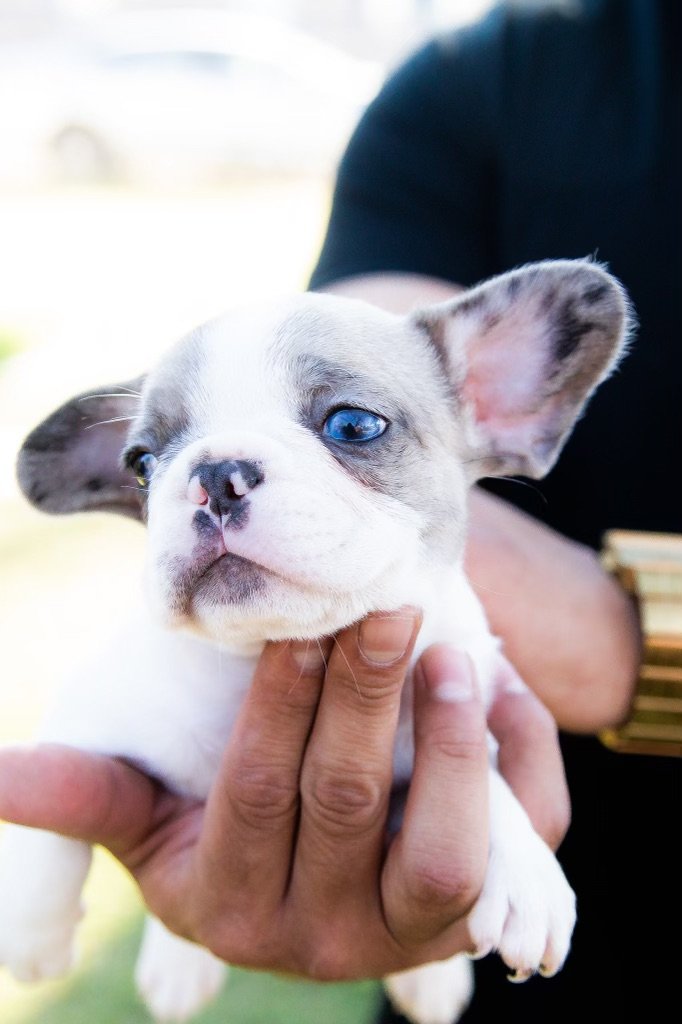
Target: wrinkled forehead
x=263, y=361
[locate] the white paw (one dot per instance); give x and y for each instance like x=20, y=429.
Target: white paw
x=175, y=978
x=41, y=877
x=436, y=993
x=35, y=950
x=526, y=910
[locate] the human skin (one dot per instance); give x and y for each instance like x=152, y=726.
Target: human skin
x=287, y=866
x=568, y=628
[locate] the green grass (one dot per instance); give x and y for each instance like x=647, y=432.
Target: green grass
x=10, y=344
x=105, y=994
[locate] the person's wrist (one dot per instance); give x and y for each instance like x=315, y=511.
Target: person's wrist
x=648, y=567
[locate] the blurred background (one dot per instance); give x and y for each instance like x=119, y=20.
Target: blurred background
x=158, y=163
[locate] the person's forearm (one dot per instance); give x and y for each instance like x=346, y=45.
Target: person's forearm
x=568, y=628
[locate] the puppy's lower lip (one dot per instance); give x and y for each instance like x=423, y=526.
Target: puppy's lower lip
x=228, y=557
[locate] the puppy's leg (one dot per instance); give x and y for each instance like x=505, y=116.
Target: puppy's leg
x=437, y=993
x=526, y=910
x=174, y=977
x=41, y=878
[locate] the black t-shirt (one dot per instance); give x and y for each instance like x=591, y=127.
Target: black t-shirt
x=545, y=134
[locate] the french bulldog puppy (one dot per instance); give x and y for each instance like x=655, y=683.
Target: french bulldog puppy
x=299, y=465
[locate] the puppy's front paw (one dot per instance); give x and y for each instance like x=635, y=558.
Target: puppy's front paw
x=436, y=993
x=175, y=978
x=37, y=949
x=526, y=910
x=41, y=877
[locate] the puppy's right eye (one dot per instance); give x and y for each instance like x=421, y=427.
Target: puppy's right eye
x=354, y=425
x=143, y=465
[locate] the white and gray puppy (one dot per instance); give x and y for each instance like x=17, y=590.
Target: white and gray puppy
x=301, y=465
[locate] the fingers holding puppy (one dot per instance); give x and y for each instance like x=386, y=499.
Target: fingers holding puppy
x=286, y=867
x=529, y=754
x=436, y=865
x=347, y=770
x=243, y=858
x=346, y=781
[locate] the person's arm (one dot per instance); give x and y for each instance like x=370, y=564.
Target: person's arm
x=569, y=629
x=567, y=626
x=293, y=834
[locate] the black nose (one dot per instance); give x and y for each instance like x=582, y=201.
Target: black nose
x=227, y=483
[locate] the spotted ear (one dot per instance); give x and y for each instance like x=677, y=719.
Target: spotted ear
x=524, y=352
x=71, y=461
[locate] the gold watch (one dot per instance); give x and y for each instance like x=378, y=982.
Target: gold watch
x=649, y=566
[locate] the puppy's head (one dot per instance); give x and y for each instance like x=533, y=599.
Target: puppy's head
x=303, y=463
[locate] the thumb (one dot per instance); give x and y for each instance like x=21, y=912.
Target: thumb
x=84, y=796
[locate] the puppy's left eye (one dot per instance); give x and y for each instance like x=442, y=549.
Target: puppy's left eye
x=143, y=465
x=354, y=425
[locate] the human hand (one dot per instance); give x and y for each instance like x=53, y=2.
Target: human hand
x=286, y=867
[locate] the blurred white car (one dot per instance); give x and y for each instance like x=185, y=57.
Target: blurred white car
x=181, y=94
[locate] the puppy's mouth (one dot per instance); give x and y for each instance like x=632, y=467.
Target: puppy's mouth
x=214, y=573
x=229, y=579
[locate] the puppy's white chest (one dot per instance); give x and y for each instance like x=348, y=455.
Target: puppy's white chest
x=166, y=701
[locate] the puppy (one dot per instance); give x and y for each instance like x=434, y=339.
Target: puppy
x=298, y=466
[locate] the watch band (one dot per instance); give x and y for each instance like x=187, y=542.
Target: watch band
x=649, y=566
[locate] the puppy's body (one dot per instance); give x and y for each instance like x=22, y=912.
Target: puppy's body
x=303, y=465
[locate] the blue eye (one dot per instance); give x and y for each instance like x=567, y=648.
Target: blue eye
x=143, y=465
x=354, y=425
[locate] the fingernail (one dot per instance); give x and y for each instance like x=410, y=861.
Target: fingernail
x=520, y=975
x=507, y=679
x=478, y=954
x=383, y=639
x=449, y=675
x=308, y=655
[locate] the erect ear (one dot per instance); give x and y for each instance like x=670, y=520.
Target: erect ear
x=524, y=352
x=71, y=461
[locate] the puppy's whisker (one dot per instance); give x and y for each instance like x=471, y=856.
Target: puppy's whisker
x=129, y=391
x=324, y=660
x=350, y=669
x=489, y=590
x=110, y=394
x=114, y=419
x=285, y=647
x=524, y=483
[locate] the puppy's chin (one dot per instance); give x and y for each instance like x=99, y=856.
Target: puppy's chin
x=229, y=580
x=238, y=603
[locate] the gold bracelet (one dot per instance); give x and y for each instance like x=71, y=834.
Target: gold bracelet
x=649, y=567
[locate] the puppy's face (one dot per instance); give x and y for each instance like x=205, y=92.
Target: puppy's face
x=292, y=475
x=303, y=463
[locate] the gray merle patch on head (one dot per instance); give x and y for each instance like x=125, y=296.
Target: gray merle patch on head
x=392, y=369
x=595, y=294
x=170, y=401
x=569, y=327
x=514, y=285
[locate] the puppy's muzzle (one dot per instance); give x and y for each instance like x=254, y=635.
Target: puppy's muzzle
x=223, y=486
